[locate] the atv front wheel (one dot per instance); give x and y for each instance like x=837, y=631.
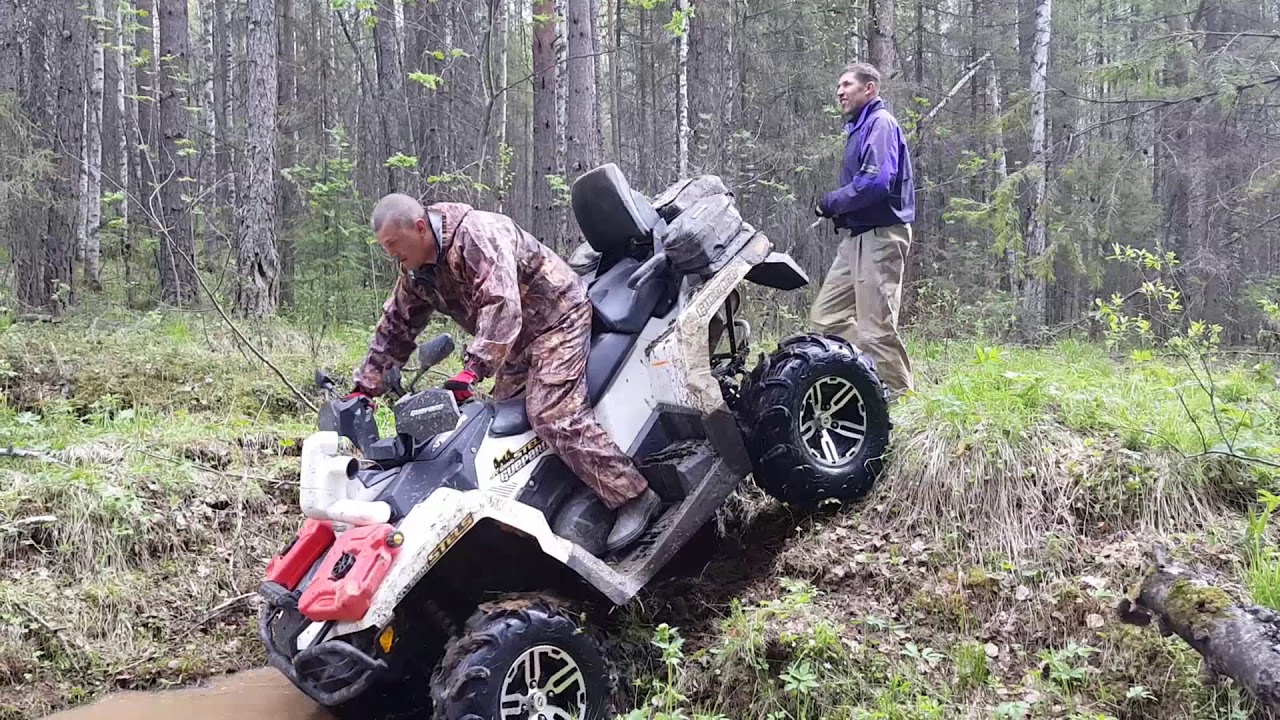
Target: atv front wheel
x=523, y=658
x=817, y=421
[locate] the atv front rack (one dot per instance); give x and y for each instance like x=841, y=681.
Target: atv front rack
x=331, y=672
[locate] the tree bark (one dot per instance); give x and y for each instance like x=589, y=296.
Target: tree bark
x=545, y=132
x=615, y=89
x=882, y=48
x=287, y=103
x=126, y=111
x=1000, y=170
x=1035, y=287
x=177, y=277
x=682, y=94
x=502, y=36
x=1241, y=642
x=580, y=131
x=224, y=120
x=258, y=260
x=10, y=46
x=93, y=152
x=390, y=92
x=53, y=289
x=211, y=244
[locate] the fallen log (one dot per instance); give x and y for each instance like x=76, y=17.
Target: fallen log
x=1241, y=642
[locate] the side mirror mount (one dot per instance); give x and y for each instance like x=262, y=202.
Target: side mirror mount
x=435, y=350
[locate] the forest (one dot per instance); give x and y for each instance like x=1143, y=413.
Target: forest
x=1091, y=303
x=248, y=141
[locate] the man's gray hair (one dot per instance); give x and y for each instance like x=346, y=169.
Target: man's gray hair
x=865, y=72
x=397, y=208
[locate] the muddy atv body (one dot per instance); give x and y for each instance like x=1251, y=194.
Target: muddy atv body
x=434, y=570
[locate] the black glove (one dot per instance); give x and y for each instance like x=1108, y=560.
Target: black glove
x=817, y=207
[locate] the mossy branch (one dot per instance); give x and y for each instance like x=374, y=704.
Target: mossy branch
x=1240, y=642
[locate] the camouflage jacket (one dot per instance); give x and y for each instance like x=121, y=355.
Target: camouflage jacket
x=494, y=279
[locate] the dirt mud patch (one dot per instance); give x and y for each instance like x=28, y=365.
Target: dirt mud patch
x=262, y=693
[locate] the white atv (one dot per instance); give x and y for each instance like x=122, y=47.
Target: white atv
x=421, y=579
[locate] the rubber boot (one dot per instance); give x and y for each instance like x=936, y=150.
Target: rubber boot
x=633, y=518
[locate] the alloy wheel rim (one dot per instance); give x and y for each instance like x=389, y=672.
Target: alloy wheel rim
x=544, y=683
x=833, y=421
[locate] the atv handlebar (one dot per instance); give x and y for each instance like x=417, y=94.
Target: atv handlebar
x=651, y=267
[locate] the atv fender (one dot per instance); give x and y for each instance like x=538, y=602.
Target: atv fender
x=437, y=524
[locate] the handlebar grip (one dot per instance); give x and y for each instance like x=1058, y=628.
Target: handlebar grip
x=651, y=267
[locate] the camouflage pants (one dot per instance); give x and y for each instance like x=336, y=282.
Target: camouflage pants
x=553, y=373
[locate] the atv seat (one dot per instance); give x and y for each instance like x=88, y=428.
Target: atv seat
x=608, y=350
x=611, y=215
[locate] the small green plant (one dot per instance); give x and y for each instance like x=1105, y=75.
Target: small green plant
x=799, y=681
x=1262, y=571
x=971, y=665
x=1067, y=668
x=1017, y=710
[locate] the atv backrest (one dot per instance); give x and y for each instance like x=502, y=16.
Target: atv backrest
x=613, y=216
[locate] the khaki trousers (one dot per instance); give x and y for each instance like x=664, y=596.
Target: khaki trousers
x=861, y=296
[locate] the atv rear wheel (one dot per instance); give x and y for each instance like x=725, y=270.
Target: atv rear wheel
x=817, y=421
x=525, y=658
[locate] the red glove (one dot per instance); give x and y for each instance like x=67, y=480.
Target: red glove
x=362, y=394
x=460, y=385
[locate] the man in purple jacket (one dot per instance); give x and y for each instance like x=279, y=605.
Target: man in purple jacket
x=876, y=203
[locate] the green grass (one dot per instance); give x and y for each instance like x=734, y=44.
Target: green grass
x=991, y=393
x=173, y=480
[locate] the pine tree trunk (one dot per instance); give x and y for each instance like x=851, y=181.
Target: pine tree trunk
x=176, y=252
x=682, y=95
x=882, y=48
x=224, y=104
x=390, y=91
x=10, y=46
x=258, y=261
x=615, y=90
x=93, y=152
x=545, y=132
x=502, y=33
x=67, y=63
x=287, y=199
x=580, y=128
x=1034, y=297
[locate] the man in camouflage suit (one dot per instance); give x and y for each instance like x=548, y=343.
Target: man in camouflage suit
x=531, y=319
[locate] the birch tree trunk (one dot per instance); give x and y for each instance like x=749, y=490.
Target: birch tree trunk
x=93, y=152
x=208, y=158
x=1000, y=169
x=127, y=112
x=258, y=260
x=176, y=252
x=1034, y=297
x=545, y=126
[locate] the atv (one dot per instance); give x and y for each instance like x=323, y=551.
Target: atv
x=434, y=568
